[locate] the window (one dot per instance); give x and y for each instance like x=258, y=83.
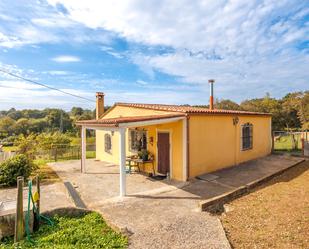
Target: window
x=137, y=140
x=107, y=143
x=247, y=136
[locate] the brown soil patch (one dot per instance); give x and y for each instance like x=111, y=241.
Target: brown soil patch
x=47, y=174
x=276, y=215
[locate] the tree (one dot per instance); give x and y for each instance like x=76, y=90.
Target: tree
x=38, y=125
x=303, y=111
x=226, y=104
x=59, y=120
x=47, y=141
x=77, y=111
x=7, y=125
x=26, y=145
x=22, y=126
x=290, y=108
x=266, y=105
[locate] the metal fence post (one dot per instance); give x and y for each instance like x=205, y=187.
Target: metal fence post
x=19, y=218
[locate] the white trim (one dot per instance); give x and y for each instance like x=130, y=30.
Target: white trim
x=90, y=127
x=83, y=158
x=122, y=162
x=133, y=124
x=150, y=122
x=184, y=150
x=170, y=131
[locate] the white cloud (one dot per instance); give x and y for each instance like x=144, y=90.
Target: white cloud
x=226, y=26
x=244, y=45
x=13, y=84
x=58, y=72
x=22, y=95
x=66, y=58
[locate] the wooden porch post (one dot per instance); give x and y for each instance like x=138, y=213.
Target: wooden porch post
x=122, y=161
x=83, y=158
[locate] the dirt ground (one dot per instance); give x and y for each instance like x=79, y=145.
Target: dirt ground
x=47, y=174
x=276, y=215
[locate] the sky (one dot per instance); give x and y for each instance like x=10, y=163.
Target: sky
x=151, y=51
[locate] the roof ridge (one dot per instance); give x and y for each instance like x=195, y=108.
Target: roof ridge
x=187, y=109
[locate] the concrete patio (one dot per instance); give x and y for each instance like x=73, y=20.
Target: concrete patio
x=100, y=182
x=163, y=214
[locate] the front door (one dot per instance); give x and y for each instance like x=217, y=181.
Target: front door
x=163, y=152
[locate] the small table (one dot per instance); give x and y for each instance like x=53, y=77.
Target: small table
x=130, y=160
x=138, y=163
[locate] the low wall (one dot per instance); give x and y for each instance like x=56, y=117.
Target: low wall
x=7, y=223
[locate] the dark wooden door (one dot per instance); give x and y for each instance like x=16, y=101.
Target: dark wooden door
x=163, y=152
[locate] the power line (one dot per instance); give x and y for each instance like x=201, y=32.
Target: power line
x=41, y=84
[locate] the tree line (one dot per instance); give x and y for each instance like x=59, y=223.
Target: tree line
x=28, y=121
x=288, y=113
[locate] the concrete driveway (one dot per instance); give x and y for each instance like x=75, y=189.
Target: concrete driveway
x=162, y=214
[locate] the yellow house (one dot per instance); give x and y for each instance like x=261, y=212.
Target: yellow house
x=183, y=141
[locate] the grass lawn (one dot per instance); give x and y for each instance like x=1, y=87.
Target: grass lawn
x=276, y=215
x=285, y=143
x=88, y=231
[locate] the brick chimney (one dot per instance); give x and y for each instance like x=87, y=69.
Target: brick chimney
x=211, y=97
x=99, y=104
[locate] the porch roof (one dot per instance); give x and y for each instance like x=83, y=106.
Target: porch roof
x=122, y=121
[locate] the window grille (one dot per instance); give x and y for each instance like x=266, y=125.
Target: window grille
x=247, y=136
x=107, y=142
x=137, y=140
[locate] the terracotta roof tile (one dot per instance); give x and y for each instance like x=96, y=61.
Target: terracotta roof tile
x=187, y=109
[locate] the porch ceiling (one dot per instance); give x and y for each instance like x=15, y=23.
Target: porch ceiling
x=129, y=121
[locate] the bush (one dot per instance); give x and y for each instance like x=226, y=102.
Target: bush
x=13, y=167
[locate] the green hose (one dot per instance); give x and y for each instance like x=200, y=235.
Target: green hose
x=36, y=211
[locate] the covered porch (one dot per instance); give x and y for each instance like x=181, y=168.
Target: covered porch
x=166, y=138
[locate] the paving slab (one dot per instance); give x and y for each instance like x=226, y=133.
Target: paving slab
x=52, y=196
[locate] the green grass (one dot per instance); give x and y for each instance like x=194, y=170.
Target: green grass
x=9, y=148
x=285, y=143
x=90, y=154
x=77, y=140
x=88, y=231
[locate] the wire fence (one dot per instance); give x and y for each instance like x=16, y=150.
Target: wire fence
x=59, y=152
x=289, y=141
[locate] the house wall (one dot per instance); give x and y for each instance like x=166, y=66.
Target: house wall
x=125, y=111
x=215, y=142
x=175, y=130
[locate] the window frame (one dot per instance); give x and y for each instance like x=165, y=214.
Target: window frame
x=107, y=136
x=248, y=136
x=130, y=139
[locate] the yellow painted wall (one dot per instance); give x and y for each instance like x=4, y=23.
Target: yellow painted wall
x=124, y=111
x=175, y=130
x=215, y=142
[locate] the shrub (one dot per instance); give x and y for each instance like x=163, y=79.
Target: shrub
x=13, y=167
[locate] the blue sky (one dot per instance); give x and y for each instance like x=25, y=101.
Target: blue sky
x=151, y=51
